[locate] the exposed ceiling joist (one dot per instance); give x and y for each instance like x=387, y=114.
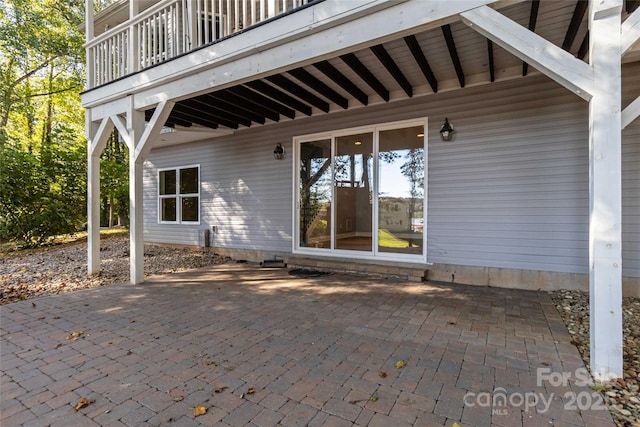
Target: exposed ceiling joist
x=216, y=113
x=451, y=46
x=363, y=72
x=262, y=100
x=492, y=69
x=246, y=104
x=236, y=109
x=294, y=89
x=341, y=80
x=576, y=20
x=631, y=5
x=279, y=96
x=533, y=19
x=423, y=64
x=383, y=56
x=319, y=86
x=179, y=115
x=584, y=47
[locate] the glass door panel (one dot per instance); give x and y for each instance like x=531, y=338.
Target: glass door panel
x=401, y=190
x=353, y=183
x=315, y=194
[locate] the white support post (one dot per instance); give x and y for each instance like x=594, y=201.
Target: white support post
x=89, y=32
x=97, y=137
x=135, y=127
x=133, y=44
x=605, y=191
x=139, y=138
x=600, y=84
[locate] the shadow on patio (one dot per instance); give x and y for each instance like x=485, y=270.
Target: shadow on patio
x=260, y=347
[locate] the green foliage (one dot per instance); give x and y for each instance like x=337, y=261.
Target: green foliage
x=42, y=144
x=41, y=196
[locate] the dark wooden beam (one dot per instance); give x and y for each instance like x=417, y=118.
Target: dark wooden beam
x=278, y=95
x=177, y=115
x=236, y=109
x=576, y=20
x=341, y=80
x=383, y=56
x=492, y=69
x=453, y=53
x=584, y=46
x=319, y=86
x=197, y=115
x=260, y=99
x=216, y=113
x=225, y=95
x=171, y=121
x=294, y=89
x=631, y=5
x=533, y=19
x=423, y=64
x=363, y=72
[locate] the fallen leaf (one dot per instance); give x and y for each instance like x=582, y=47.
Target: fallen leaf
x=83, y=403
x=455, y=424
x=199, y=410
x=400, y=364
x=382, y=374
x=373, y=398
x=220, y=390
x=75, y=335
x=33, y=304
x=251, y=390
x=178, y=398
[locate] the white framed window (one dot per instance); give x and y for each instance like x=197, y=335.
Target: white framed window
x=179, y=195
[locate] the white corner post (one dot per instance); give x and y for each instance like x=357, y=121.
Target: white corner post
x=139, y=139
x=605, y=190
x=89, y=32
x=600, y=85
x=97, y=136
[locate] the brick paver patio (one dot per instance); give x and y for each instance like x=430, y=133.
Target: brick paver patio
x=317, y=351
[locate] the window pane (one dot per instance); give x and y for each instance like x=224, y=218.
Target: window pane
x=168, y=207
x=315, y=194
x=168, y=182
x=353, y=187
x=401, y=190
x=190, y=209
x=189, y=181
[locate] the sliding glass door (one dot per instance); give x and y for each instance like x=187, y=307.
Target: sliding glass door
x=362, y=192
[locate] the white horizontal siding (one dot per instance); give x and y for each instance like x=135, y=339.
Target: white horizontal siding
x=510, y=191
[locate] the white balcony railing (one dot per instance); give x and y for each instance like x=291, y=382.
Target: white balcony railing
x=171, y=28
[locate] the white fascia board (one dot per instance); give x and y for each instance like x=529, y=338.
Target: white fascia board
x=548, y=58
x=111, y=108
x=631, y=112
x=319, y=32
x=630, y=31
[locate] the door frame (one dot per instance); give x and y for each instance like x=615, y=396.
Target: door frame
x=374, y=254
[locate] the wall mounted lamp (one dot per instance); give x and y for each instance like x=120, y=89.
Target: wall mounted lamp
x=278, y=152
x=446, y=131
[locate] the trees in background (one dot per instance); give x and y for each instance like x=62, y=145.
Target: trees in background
x=42, y=143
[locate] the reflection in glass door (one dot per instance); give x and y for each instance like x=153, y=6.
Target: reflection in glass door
x=315, y=194
x=401, y=190
x=363, y=192
x=353, y=192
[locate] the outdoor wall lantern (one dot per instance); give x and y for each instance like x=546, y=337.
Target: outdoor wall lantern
x=446, y=131
x=278, y=152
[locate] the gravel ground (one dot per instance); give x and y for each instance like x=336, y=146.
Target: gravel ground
x=622, y=397
x=63, y=269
